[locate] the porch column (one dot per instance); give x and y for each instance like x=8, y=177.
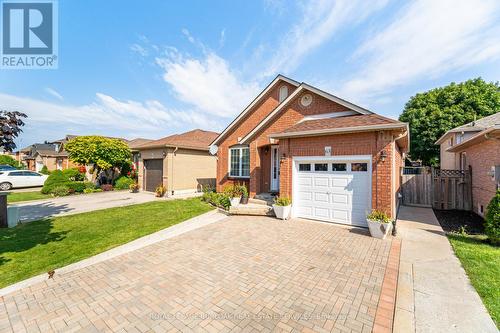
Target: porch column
x=255, y=172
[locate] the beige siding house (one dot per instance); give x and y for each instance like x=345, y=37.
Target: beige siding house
x=180, y=162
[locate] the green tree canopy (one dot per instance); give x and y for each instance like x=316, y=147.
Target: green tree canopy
x=103, y=153
x=432, y=113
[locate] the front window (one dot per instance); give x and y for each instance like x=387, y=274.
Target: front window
x=239, y=160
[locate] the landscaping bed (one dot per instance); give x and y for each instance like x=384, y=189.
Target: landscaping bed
x=33, y=248
x=459, y=221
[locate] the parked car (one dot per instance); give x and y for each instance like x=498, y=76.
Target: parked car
x=6, y=167
x=20, y=178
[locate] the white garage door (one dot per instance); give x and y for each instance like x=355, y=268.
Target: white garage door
x=333, y=190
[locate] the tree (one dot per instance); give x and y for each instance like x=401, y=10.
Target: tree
x=10, y=127
x=104, y=154
x=7, y=159
x=432, y=113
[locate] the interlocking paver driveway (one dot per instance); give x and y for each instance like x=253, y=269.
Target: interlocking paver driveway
x=250, y=274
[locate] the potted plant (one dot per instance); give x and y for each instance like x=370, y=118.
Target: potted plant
x=282, y=207
x=244, y=194
x=160, y=191
x=379, y=224
x=134, y=187
x=234, y=194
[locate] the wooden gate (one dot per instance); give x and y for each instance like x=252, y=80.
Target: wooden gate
x=440, y=189
x=416, y=186
x=452, y=189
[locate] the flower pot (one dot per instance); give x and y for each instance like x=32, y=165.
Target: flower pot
x=235, y=201
x=379, y=230
x=282, y=212
x=244, y=200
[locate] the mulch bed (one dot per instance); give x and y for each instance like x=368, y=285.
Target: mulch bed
x=454, y=220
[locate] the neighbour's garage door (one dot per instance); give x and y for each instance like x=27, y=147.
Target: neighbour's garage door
x=153, y=173
x=333, y=190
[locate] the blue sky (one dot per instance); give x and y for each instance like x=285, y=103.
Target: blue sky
x=154, y=68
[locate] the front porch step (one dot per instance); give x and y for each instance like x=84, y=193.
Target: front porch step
x=252, y=209
x=260, y=201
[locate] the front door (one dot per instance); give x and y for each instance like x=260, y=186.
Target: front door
x=275, y=169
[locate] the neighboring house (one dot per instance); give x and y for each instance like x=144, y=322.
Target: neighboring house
x=334, y=159
x=180, y=162
x=475, y=145
x=133, y=145
x=46, y=154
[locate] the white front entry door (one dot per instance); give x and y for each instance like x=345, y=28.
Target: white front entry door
x=275, y=169
x=333, y=190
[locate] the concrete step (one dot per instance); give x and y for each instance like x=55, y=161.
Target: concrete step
x=261, y=201
x=252, y=209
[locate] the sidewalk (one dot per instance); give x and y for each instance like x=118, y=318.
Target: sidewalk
x=434, y=293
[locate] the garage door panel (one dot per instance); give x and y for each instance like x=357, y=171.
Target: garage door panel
x=322, y=181
x=306, y=196
x=305, y=211
x=340, y=198
x=321, y=212
x=321, y=197
x=305, y=180
x=342, y=215
x=340, y=182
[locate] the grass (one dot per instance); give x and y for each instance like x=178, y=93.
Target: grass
x=481, y=261
x=26, y=196
x=38, y=247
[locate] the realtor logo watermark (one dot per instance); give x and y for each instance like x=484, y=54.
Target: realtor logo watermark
x=29, y=34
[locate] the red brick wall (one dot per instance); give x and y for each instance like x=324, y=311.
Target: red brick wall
x=254, y=117
x=369, y=143
x=481, y=157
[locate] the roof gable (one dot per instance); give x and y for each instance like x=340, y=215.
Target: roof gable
x=250, y=106
x=302, y=88
x=473, y=126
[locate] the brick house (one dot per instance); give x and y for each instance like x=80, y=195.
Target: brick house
x=180, y=162
x=475, y=145
x=334, y=159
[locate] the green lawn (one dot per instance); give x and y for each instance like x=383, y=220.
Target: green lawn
x=37, y=247
x=481, y=261
x=26, y=196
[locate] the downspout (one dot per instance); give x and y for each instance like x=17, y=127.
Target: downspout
x=172, y=182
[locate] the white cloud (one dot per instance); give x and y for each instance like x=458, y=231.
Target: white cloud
x=107, y=116
x=139, y=50
x=208, y=84
x=428, y=38
x=320, y=20
x=54, y=93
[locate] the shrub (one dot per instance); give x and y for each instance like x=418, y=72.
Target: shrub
x=76, y=186
x=60, y=191
x=160, y=190
x=217, y=199
x=233, y=191
x=378, y=216
x=45, y=170
x=492, y=224
x=123, y=183
x=282, y=201
x=9, y=160
x=89, y=185
x=73, y=174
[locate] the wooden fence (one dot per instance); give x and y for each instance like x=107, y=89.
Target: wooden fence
x=440, y=189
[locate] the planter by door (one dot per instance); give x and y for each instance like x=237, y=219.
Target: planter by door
x=235, y=201
x=282, y=212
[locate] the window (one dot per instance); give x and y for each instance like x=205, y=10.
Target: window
x=304, y=167
x=321, y=167
x=17, y=173
x=359, y=167
x=339, y=167
x=451, y=142
x=31, y=173
x=239, y=165
x=463, y=161
x=283, y=93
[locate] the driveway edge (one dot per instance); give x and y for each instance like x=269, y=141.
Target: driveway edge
x=384, y=316
x=169, y=232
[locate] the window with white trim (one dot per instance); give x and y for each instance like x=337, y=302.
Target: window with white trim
x=239, y=162
x=283, y=93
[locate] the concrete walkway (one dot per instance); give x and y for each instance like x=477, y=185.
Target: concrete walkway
x=434, y=293
x=36, y=210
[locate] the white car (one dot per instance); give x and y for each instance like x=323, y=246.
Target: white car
x=20, y=178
